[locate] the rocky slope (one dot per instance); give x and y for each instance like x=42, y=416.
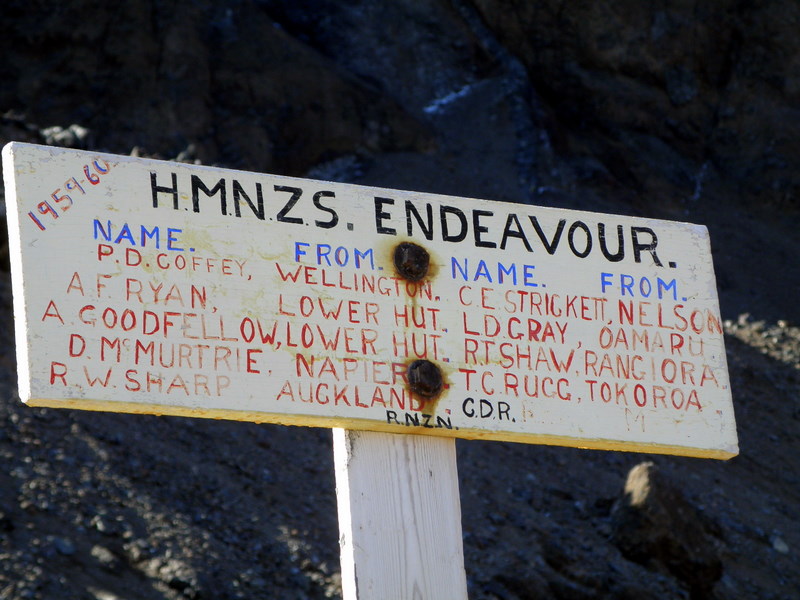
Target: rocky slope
x=686, y=113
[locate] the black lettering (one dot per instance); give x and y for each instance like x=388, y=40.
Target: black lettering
x=571, y=239
x=503, y=408
x=486, y=408
x=639, y=246
x=462, y=218
x=318, y=203
x=516, y=232
x=479, y=229
x=198, y=186
x=380, y=215
x=469, y=411
x=166, y=190
x=238, y=193
x=427, y=228
x=282, y=214
x=443, y=423
x=601, y=234
x=552, y=245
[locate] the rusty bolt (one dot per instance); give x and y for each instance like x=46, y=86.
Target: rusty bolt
x=425, y=379
x=411, y=261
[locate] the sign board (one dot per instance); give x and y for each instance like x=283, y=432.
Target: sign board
x=156, y=287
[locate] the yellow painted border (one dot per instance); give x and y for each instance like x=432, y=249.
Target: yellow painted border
x=375, y=425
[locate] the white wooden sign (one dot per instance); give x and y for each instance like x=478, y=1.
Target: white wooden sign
x=156, y=287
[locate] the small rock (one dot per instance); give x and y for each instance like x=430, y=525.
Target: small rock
x=6, y=524
x=100, y=524
x=681, y=85
x=106, y=558
x=188, y=155
x=100, y=594
x=779, y=545
x=179, y=577
x=74, y=136
x=64, y=546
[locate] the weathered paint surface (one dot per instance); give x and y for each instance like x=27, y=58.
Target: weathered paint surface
x=157, y=287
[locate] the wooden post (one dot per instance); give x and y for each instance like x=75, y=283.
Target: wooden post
x=399, y=516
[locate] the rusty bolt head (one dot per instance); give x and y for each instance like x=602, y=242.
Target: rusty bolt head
x=411, y=261
x=425, y=379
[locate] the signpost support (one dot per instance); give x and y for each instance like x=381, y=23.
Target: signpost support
x=399, y=516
